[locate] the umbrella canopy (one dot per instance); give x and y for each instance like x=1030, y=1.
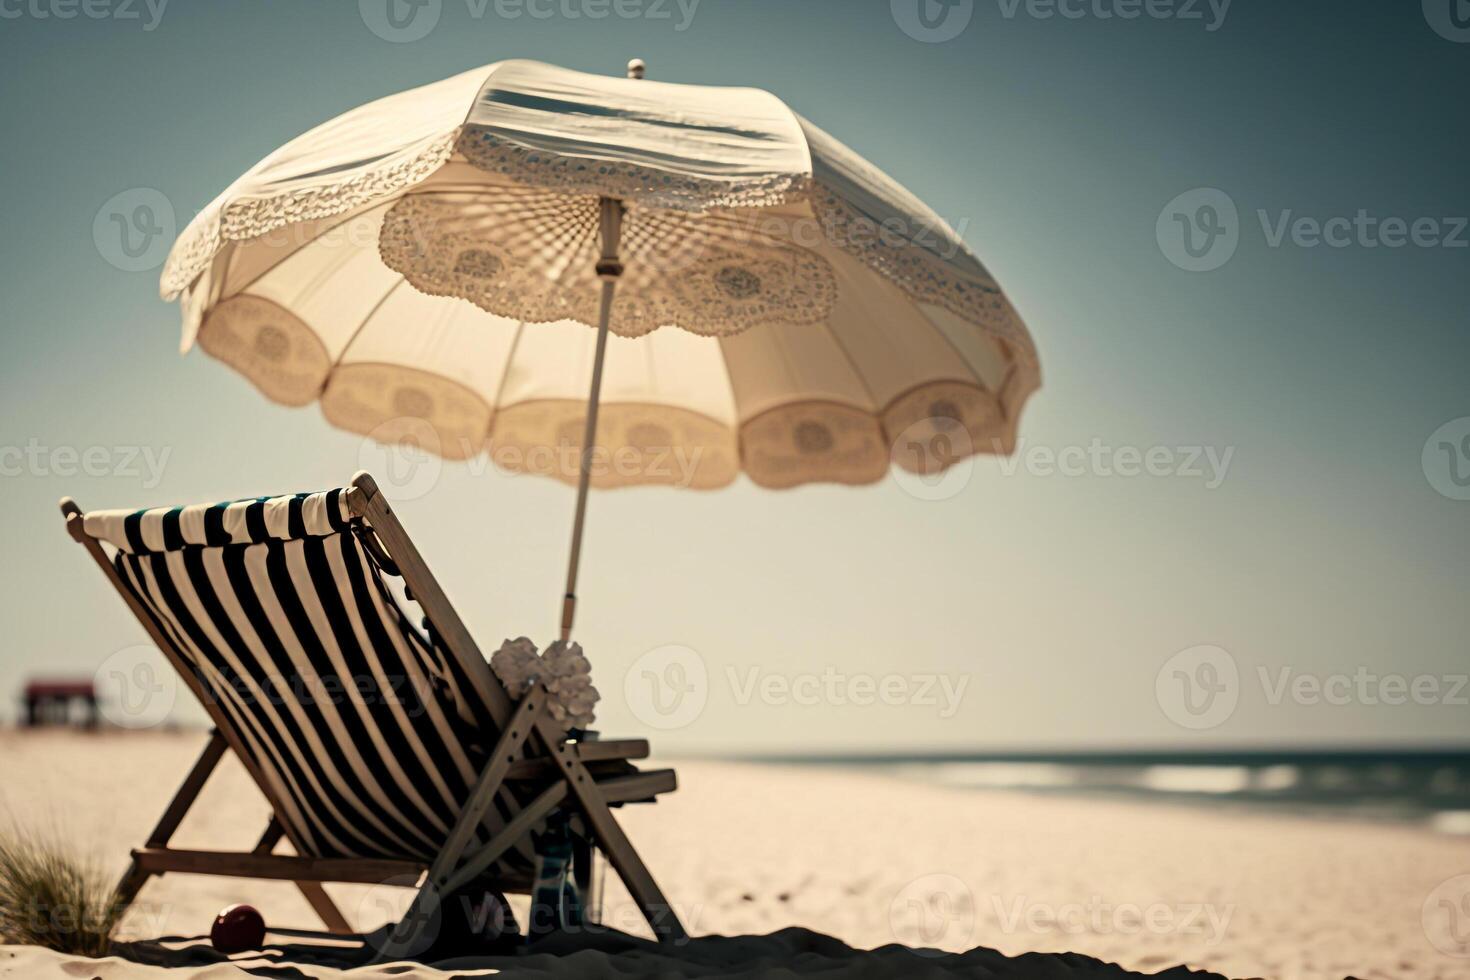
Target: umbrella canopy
x=425, y=267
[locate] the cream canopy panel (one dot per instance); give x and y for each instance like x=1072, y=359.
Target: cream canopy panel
x=423, y=266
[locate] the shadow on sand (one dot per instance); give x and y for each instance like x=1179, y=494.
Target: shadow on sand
x=607, y=953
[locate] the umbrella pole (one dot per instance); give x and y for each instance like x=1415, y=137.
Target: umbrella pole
x=609, y=270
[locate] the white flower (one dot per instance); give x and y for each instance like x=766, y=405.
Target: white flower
x=517, y=665
x=562, y=668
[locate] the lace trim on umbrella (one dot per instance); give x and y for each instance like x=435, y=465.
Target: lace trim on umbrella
x=918, y=272
x=628, y=181
x=533, y=259
x=251, y=217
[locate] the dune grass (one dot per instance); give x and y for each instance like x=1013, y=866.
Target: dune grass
x=50, y=897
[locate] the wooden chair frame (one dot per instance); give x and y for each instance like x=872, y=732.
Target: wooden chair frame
x=530, y=748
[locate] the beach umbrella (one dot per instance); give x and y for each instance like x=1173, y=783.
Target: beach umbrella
x=607, y=280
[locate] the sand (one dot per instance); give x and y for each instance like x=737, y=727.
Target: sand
x=798, y=855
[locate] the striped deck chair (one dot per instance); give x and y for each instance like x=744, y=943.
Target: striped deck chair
x=384, y=752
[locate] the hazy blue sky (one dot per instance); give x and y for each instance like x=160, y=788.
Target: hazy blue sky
x=1055, y=144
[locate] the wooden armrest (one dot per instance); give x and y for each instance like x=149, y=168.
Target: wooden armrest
x=625, y=748
x=638, y=787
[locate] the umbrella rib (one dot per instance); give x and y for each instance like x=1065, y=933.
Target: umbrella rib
x=852, y=363
x=515, y=345
x=510, y=357
x=736, y=420
x=310, y=240
x=959, y=354
x=362, y=325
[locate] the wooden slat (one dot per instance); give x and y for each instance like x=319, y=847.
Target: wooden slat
x=621, y=853
x=316, y=896
x=638, y=786
x=367, y=502
x=278, y=867
x=268, y=839
x=513, y=735
x=610, y=751
x=521, y=825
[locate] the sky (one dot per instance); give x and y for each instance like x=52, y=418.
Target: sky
x=1235, y=230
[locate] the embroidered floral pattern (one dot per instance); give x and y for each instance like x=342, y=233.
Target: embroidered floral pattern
x=917, y=271
x=531, y=257
x=251, y=217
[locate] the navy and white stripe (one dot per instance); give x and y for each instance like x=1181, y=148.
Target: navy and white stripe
x=254, y=521
x=368, y=737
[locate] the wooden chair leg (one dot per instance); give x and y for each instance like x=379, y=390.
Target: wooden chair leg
x=188, y=792
x=135, y=877
x=585, y=876
x=326, y=909
x=316, y=896
x=614, y=843
x=131, y=883
x=424, y=905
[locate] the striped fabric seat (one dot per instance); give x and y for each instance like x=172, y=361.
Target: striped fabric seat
x=369, y=737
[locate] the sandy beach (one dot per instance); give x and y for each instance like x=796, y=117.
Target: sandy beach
x=870, y=861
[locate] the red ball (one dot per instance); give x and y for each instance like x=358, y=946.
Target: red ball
x=238, y=928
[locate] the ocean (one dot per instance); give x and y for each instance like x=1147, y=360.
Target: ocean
x=1428, y=788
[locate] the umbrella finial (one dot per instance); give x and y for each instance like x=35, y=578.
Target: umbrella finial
x=636, y=68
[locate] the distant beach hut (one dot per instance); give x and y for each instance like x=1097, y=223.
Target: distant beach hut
x=54, y=702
